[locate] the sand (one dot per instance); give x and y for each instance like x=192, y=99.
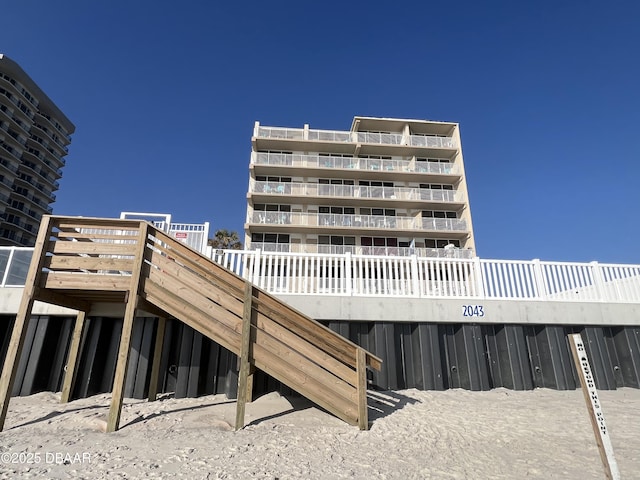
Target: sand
x=414, y=435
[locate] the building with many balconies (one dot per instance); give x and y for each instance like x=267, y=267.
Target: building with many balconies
x=34, y=139
x=385, y=187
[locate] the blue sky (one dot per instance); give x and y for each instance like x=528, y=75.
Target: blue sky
x=164, y=96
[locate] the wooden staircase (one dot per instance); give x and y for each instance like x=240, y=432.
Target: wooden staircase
x=82, y=262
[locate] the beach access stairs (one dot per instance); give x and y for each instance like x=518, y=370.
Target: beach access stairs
x=82, y=263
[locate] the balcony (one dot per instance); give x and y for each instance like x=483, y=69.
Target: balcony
x=356, y=138
x=323, y=163
x=444, y=224
x=462, y=253
x=294, y=221
x=356, y=193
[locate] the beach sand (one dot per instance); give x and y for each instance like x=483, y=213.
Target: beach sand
x=414, y=434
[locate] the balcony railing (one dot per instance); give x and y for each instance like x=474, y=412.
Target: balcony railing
x=356, y=191
x=376, y=222
x=362, y=250
x=414, y=276
x=354, y=163
x=337, y=136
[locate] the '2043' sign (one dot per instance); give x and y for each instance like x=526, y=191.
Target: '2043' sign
x=473, y=311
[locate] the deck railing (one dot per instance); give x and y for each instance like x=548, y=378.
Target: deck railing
x=299, y=160
x=406, y=276
x=413, y=276
x=339, y=136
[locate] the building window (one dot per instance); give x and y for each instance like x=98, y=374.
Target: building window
x=438, y=214
x=440, y=243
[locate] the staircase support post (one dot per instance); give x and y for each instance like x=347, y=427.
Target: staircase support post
x=245, y=377
x=113, y=422
x=157, y=357
x=73, y=358
x=361, y=367
x=19, y=333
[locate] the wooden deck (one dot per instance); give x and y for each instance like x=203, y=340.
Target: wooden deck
x=78, y=262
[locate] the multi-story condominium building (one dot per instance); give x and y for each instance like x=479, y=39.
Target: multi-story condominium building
x=34, y=135
x=386, y=187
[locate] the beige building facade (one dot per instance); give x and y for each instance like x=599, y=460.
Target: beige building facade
x=34, y=139
x=385, y=187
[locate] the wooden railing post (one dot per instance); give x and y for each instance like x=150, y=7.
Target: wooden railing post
x=361, y=370
x=72, y=358
x=16, y=343
x=117, y=395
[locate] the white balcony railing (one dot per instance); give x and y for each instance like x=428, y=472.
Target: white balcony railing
x=377, y=222
x=362, y=250
x=354, y=163
x=372, y=275
x=340, y=136
x=356, y=191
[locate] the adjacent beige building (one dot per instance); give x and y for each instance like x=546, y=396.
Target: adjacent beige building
x=34, y=135
x=385, y=187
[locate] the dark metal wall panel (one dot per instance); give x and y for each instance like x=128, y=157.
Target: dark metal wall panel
x=384, y=346
x=88, y=351
x=415, y=355
x=137, y=332
x=627, y=346
x=508, y=357
x=426, y=345
x=194, y=371
x=21, y=370
x=600, y=357
x=467, y=365
x=59, y=354
x=550, y=357
x=35, y=355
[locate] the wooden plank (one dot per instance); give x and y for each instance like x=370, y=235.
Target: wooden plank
x=73, y=358
x=345, y=409
x=117, y=397
x=132, y=236
x=304, y=347
x=93, y=248
x=600, y=431
x=361, y=362
x=196, y=319
x=16, y=343
x=245, y=356
x=157, y=356
x=64, y=222
x=198, y=300
x=185, y=278
x=85, y=281
x=88, y=263
x=306, y=327
x=285, y=355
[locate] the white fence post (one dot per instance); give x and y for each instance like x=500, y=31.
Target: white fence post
x=415, y=276
x=347, y=274
x=541, y=290
x=598, y=282
x=477, y=267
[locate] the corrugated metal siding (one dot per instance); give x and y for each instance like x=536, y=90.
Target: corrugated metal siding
x=425, y=356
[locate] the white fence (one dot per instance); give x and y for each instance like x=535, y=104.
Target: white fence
x=406, y=276
x=369, y=275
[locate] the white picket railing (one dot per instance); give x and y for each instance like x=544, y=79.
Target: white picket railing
x=412, y=276
x=406, y=276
